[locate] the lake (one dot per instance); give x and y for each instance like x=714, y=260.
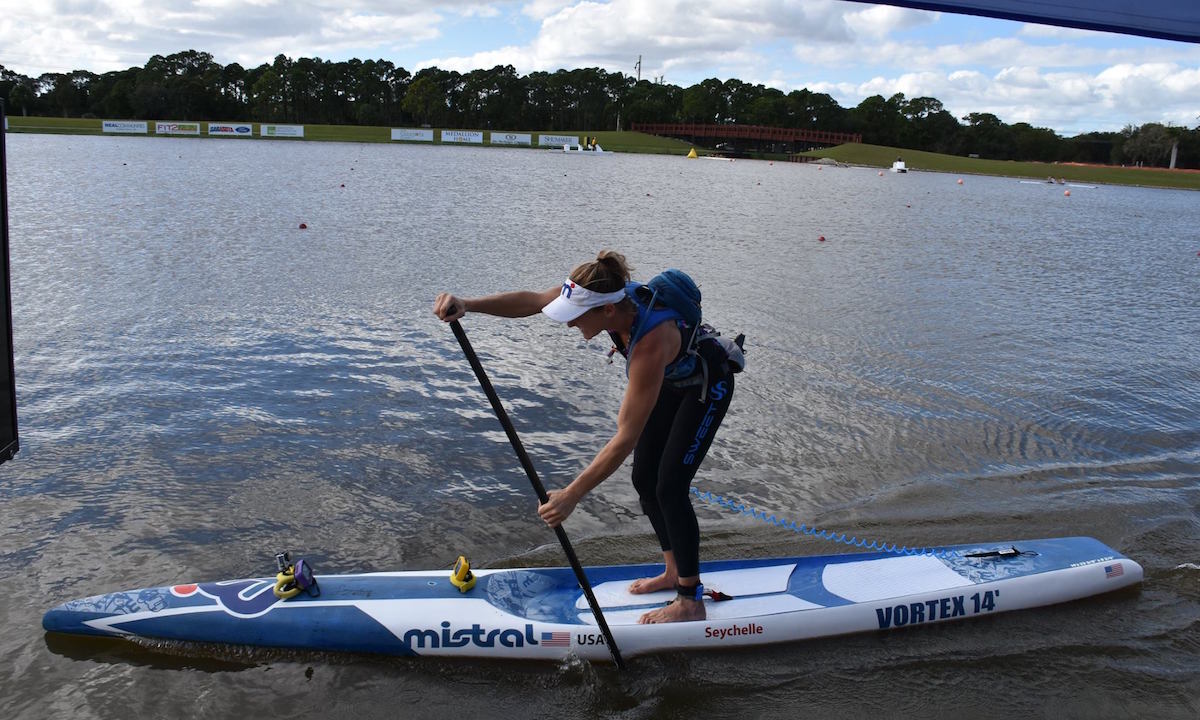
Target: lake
x=202, y=383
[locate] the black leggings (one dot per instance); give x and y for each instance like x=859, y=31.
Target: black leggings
x=668, y=453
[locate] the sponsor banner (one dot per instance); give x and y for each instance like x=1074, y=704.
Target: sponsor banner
x=412, y=134
x=177, y=128
x=557, y=140
x=511, y=139
x=231, y=129
x=125, y=126
x=290, y=131
x=462, y=136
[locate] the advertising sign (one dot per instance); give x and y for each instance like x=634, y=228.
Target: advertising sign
x=231, y=129
x=288, y=131
x=557, y=140
x=412, y=134
x=177, y=128
x=462, y=136
x=125, y=126
x=499, y=138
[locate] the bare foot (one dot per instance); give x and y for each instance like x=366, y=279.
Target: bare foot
x=641, y=586
x=681, y=609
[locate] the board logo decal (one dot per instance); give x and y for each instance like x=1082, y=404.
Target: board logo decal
x=241, y=598
x=476, y=635
x=721, y=633
x=934, y=610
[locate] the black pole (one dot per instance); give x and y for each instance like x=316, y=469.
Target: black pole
x=537, y=486
x=9, y=444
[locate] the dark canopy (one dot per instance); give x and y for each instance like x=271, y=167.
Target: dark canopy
x=1166, y=19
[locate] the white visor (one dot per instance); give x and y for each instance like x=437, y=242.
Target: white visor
x=575, y=300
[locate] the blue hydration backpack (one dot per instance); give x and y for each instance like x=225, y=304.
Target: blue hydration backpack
x=676, y=290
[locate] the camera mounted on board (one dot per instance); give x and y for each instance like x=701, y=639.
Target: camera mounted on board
x=291, y=579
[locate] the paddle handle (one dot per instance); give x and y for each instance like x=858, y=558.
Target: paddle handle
x=538, y=488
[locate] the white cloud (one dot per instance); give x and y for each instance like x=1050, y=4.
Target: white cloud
x=671, y=35
x=103, y=35
x=1054, y=31
x=476, y=10
x=1070, y=102
x=1023, y=77
x=880, y=20
x=542, y=9
x=356, y=29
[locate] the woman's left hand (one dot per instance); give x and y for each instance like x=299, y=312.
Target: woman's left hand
x=556, y=509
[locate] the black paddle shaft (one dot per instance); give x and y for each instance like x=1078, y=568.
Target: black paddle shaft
x=537, y=485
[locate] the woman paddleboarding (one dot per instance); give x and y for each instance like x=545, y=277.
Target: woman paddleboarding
x=680, y=386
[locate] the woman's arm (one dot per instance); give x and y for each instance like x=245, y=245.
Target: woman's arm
x=518, y=303
x=654, y=352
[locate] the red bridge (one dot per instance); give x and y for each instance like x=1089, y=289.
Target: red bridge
x=757, y=133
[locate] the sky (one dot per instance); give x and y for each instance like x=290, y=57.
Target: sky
x=1071, y=81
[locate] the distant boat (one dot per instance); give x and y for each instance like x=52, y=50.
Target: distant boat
x=594, y=149
x=898, y=167
x=1049, y=182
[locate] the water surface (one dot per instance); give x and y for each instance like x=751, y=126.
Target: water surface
x=201, y=383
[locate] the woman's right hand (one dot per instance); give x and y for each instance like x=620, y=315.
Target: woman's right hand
x=448, y=307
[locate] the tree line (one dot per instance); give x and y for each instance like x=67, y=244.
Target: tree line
x=190, y=85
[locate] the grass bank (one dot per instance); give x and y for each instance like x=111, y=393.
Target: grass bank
x=633, y=142
x=882, y=156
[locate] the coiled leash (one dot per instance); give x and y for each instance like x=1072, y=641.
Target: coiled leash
x=832, y=536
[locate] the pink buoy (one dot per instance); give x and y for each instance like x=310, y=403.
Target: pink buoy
x=1067, y=193
x=960, y=181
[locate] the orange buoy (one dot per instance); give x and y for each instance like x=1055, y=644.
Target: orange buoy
x=1067, y=193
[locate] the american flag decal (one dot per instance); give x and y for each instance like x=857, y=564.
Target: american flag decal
x=556, y=639
x=1114, y=570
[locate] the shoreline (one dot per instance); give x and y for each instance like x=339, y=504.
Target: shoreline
x=877, y=157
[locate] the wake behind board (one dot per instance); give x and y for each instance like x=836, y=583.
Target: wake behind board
x=540, y=613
